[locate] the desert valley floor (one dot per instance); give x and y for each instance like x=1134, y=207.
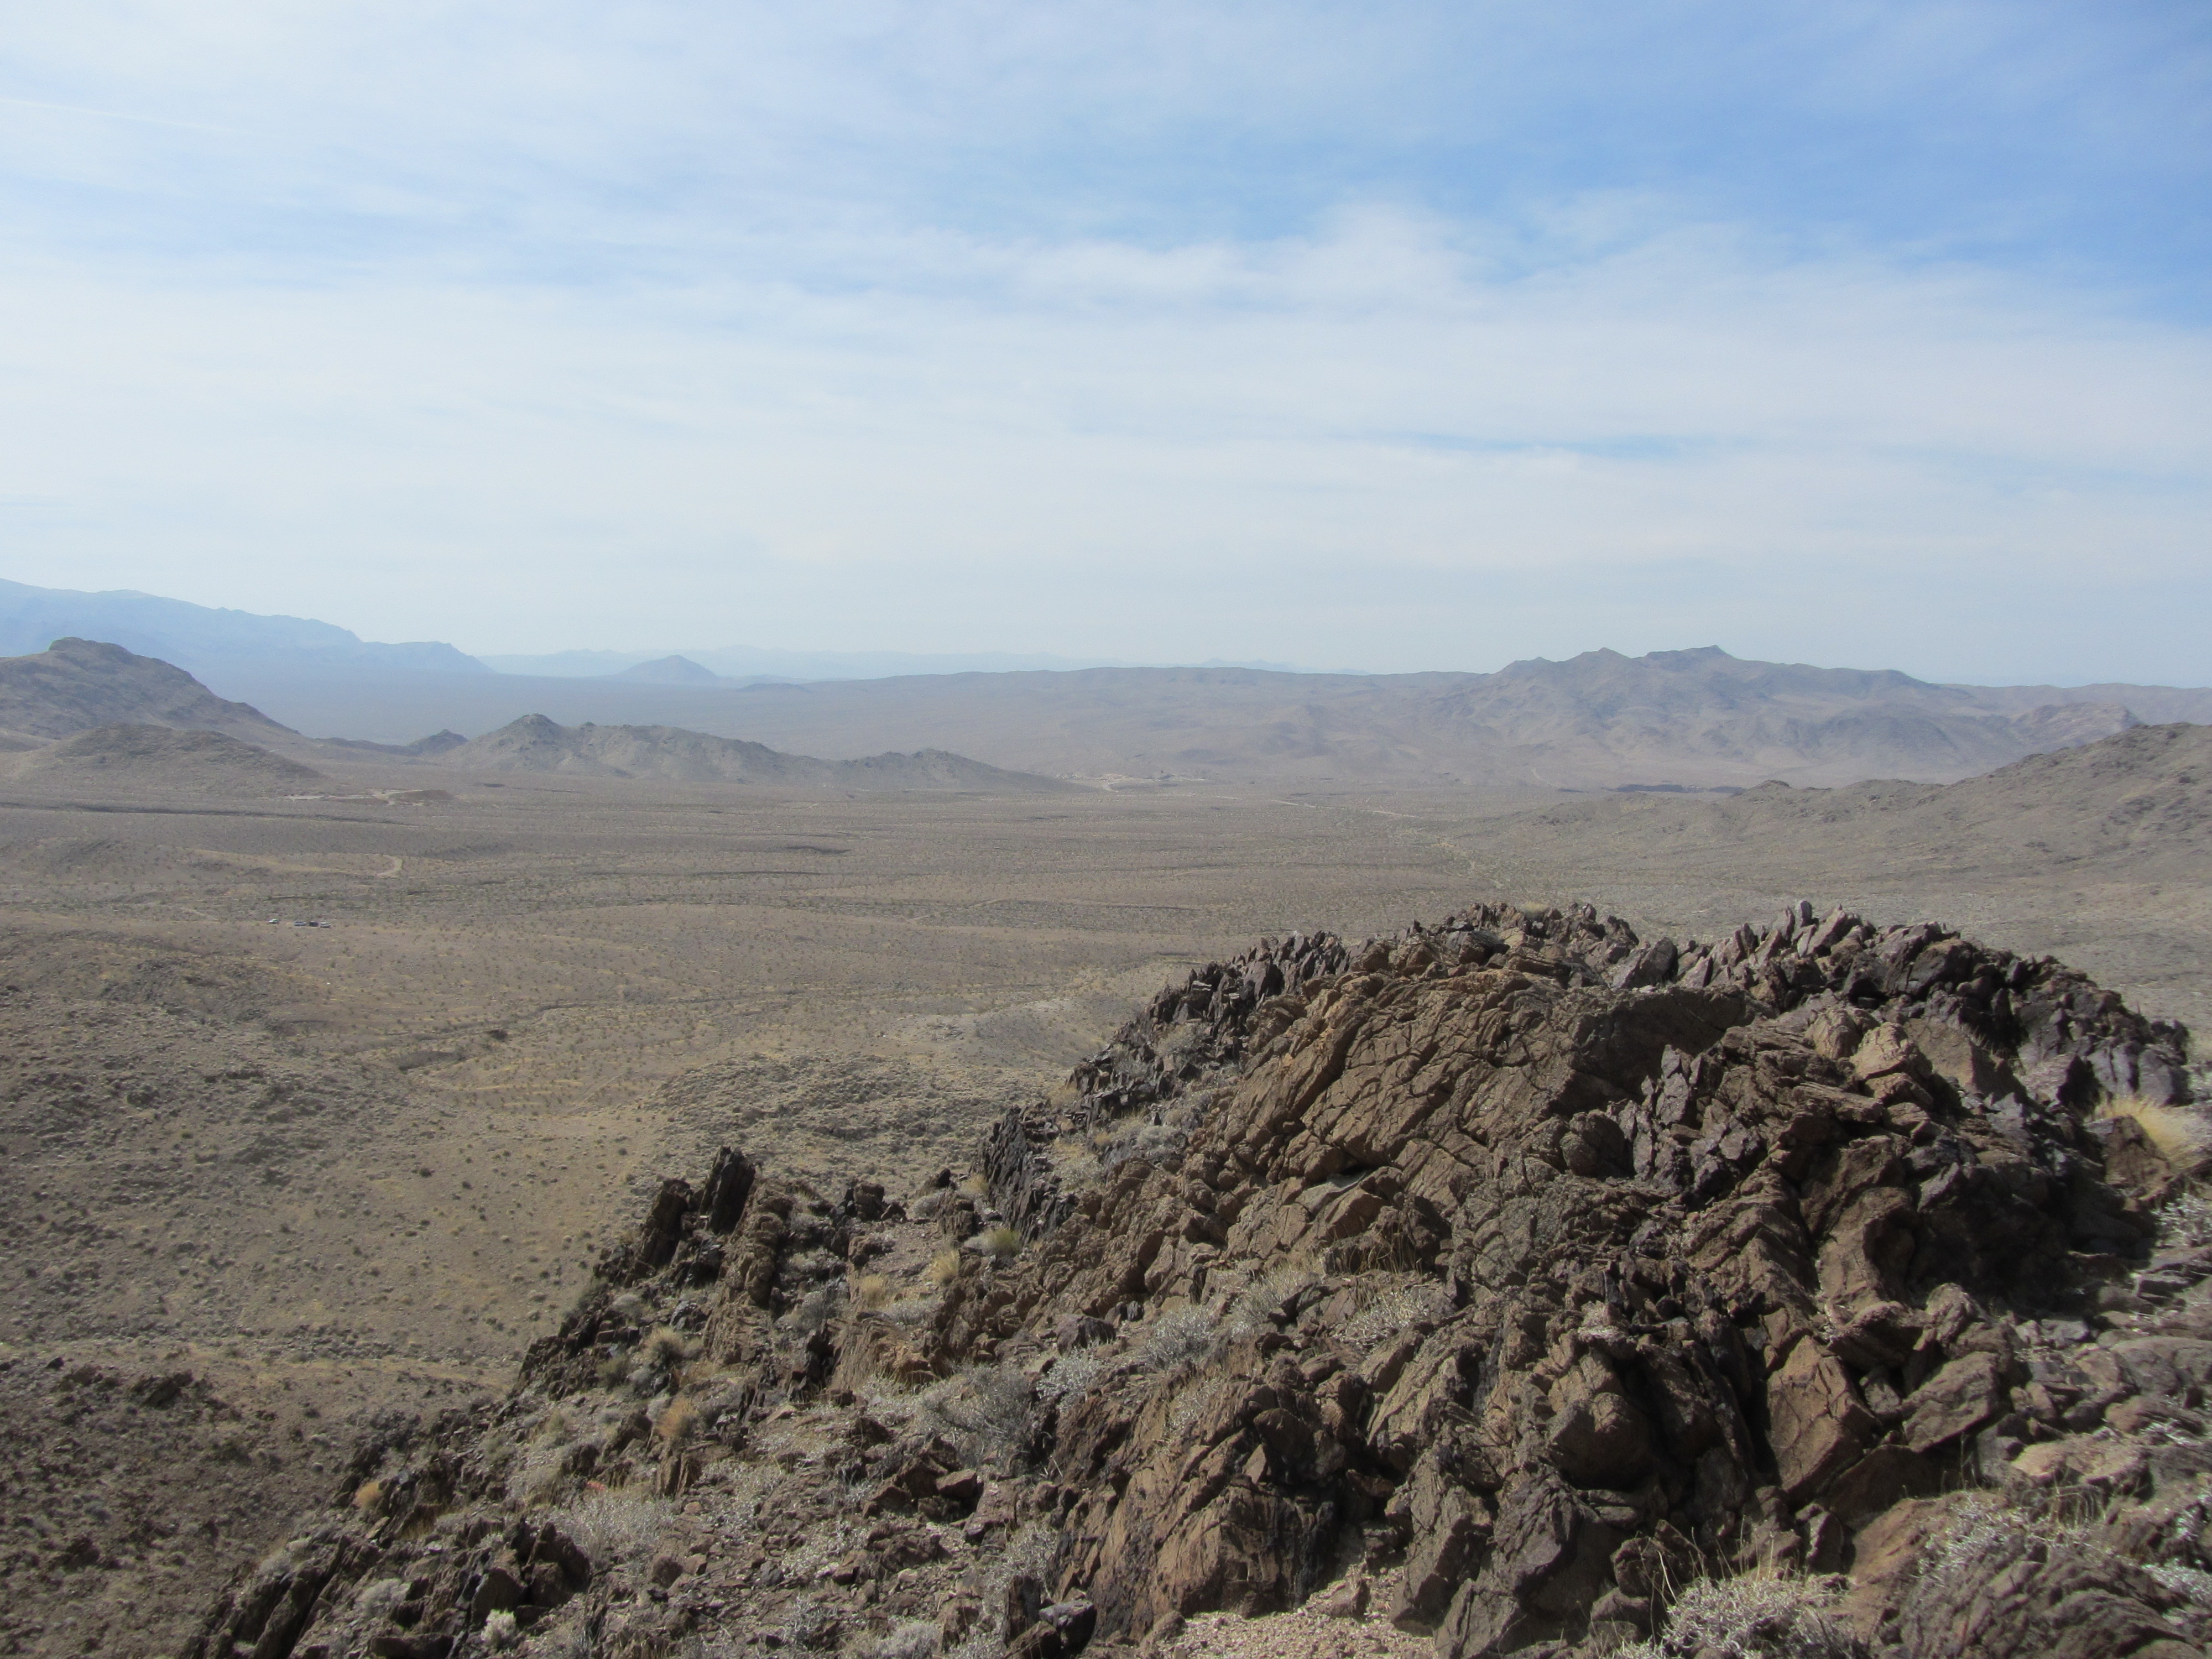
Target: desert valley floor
x=332, y=1101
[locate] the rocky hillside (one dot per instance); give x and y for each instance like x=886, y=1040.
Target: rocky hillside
x=535, y=744
x=1513, y=1283
x=157, y=756
x=2143, y=795
x=75, y=685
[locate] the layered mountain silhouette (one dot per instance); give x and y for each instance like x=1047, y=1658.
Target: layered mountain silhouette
x=122, y=714
x=1601, y=719
x=1685, y=720
x=203, y=638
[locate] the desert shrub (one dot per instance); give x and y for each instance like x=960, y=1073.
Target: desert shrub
x=665, y=1347
x=1029, y=1555
x=1176, y=1339
x=500, y=1632
x=944, y=1268
x=1263, y=1303
x=1388, y=1308
x=910, y=1639
x=1074, y=1374
x=974, y=1186
x=1194, y=1402
x=2182, y=1137
x=1155, y=1143
x=1075, y=1161
x=871, y=1290
x=381, y=1595
x=1758, y=1616
x=814, y=1310
x=1000, y=1243
x=2186, y=1220
x=988, y=1411
x=615, y=1526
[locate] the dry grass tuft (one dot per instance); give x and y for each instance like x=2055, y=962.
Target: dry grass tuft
x=1000, y=1243
x=368, y=1495
x=974, y=1186
x=871, y=1292
x=2182, y=1137
x=1757, y=1615
x=665, y=1347
x=910, y=1639
x=944, y=1268
x=615, y=1526
x=677, y=1421
x=1076, y=1162
x=1176, y=1339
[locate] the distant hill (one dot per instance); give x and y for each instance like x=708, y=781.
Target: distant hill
x=161, y=757
x=2140, y=798
x=200, y=638
x=535, y=744
x=671, y=671
x=76, y=685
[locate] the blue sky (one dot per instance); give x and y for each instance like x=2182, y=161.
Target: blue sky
x=1406, y=336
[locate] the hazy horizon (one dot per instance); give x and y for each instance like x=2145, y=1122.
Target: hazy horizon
x=1430, y=337
x=740, y=660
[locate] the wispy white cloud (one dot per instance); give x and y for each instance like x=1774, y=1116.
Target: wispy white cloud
x=534, y=326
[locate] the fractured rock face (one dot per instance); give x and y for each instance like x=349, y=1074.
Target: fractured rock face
x=1712, y=1244
x=1530, y=1271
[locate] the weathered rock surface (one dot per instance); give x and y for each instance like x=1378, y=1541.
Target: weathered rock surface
x=1520, y=1268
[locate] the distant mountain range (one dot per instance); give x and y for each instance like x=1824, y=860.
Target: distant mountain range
x=85, y=710
x=1694, y=719
x=1601, y=720
x=204, y=640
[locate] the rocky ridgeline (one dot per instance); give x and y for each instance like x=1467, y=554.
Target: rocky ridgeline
x=1510, y=1279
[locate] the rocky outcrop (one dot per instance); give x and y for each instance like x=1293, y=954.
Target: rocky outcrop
x=1713, y=1253
x=1513, y=1275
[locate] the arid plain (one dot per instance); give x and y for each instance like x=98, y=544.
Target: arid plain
x=339, y=1168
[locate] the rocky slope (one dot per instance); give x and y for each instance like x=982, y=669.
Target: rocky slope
x=1821, y=1289
x=158, y=756
x=535, y=744
x=75, y=685
x=2144, y=794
